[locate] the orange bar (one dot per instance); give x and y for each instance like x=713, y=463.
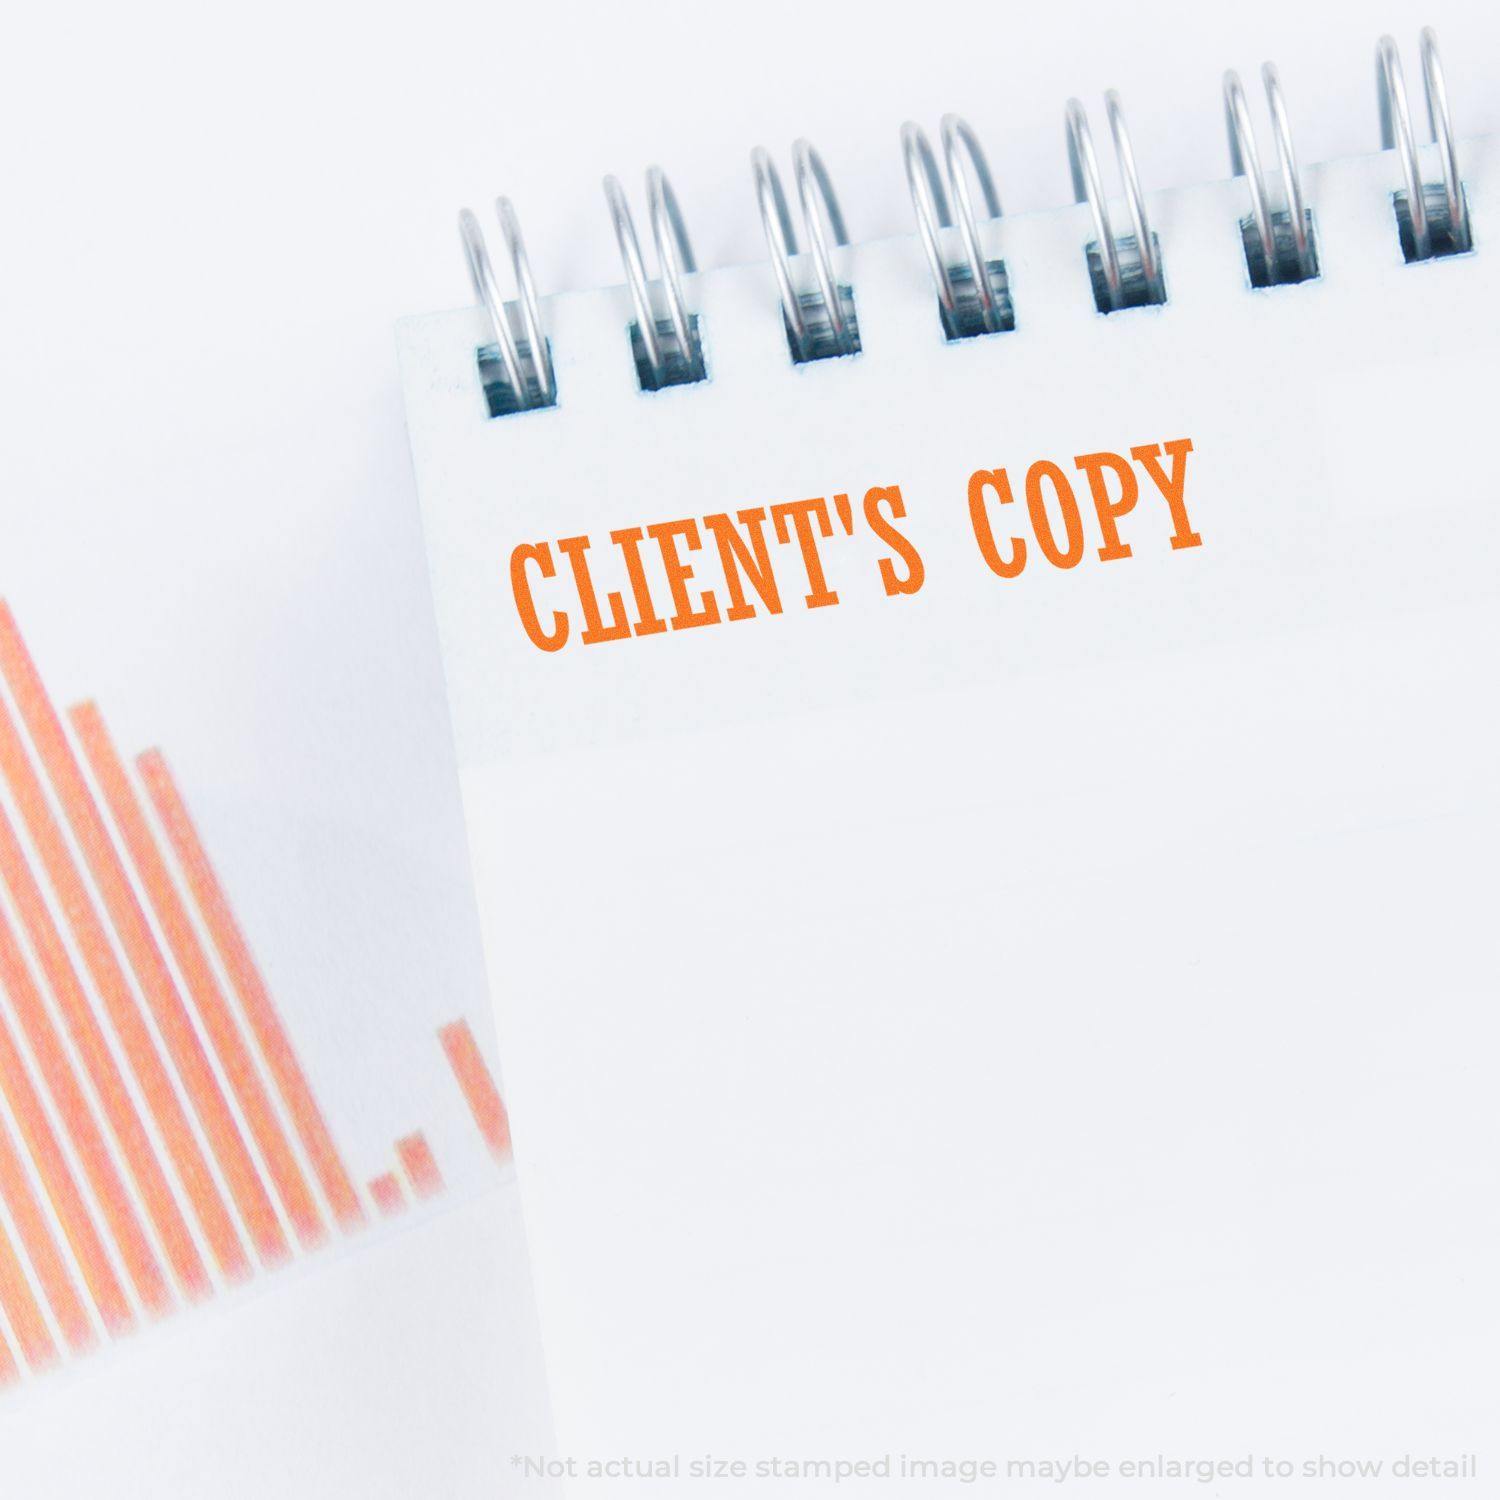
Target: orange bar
x=51, y=1165
x=119, y=1108
x=223, y=1032
x=21, y=1310
x=275, y=1045
x=9, y=1370
x=41, y=1249
x=386, y=1191
x=478, y=1085
x=98, y=954
x=416, y=1157
x=57, y=1074
x=172, y=1020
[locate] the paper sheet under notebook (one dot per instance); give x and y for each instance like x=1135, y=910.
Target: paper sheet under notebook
x=259, y=1230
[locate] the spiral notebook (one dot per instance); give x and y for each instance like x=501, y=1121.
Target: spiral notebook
x=979, y=759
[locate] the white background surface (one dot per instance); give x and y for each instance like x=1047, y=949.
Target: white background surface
x=211, y=218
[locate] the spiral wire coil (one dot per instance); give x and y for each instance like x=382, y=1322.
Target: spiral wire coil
x=482, y=273
x=1124, y=284
x=1396, y=132
x=822, y=220
x=973, y=290
x=674, y=255
x=931, y=199
x=1280, y=266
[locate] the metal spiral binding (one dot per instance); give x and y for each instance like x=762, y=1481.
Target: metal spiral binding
x=1281, y=250
x=1433, y=219
x=1279, y=236
x=821, y=327
x=669, y=353
x=529, y=380
x=974, y=297
x=1128, y=271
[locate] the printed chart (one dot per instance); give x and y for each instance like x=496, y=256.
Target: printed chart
x=160, y=1140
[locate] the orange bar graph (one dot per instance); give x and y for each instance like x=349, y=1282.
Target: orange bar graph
x=78, y=1119
x=52, y=1167
x=129, y=1028
x=150, y=1096
x=478, y=1085
x=98, y=954
x=275, y=1045
x=223, y=1031
x=41, y=1249
x=21, y=1310
x=416, y=1157
x=386, y=1191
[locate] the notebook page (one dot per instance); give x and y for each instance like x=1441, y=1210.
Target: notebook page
x=1032, y=1008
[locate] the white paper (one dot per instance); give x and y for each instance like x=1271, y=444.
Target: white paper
x=256, y=609
x=1026, y=1020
